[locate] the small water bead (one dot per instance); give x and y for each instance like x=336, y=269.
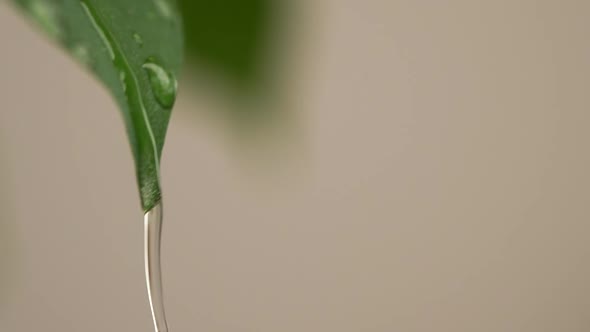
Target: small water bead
x=138, y=39
x=81, y=53
x=163, y=82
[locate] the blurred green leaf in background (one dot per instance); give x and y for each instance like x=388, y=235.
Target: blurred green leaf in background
x=235, y=42
x=229, y=36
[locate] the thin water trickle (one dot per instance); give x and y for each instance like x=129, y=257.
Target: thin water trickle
x=153, y=274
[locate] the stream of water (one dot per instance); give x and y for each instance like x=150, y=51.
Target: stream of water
x=153, y=273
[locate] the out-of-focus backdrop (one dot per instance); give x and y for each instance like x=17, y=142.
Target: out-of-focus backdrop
x=427, y=170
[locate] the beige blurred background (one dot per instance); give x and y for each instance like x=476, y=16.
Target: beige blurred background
x=440, y=182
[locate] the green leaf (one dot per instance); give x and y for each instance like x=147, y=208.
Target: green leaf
x=134, y=47
x=230, y=37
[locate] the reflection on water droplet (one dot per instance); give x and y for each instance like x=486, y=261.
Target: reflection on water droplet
x=163, y=83
x=81, y=53
x=46, y=15
x=138, y=39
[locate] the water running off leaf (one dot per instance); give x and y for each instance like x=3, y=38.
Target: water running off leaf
x=134, y=47
x=152, y=235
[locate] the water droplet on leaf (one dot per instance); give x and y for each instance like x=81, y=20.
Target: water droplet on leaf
x=81, y=53
x=163, y=83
